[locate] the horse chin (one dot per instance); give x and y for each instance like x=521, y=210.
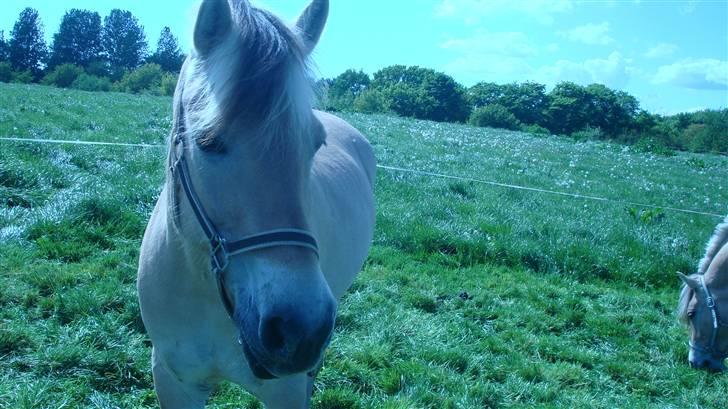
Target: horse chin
x=254, y=363
x=262, y=371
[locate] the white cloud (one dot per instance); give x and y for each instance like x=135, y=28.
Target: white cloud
x=504, y=43
x=689, y=6
x=473, y=10
x=591, y=34
x=553, y=48
x=661, y=50
x=494, y=56
x=474, y=68
x=614, y=71
x=700, y=73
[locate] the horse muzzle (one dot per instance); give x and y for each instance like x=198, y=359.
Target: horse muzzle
x=707, y=363
x=287, y=341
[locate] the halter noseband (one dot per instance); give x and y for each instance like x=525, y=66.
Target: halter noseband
x=717, y=323
x=220, y=249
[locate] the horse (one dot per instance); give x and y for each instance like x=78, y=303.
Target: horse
x=703, y=305
x=265, y=218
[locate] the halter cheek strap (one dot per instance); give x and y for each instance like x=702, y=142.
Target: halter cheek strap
x=220, y=249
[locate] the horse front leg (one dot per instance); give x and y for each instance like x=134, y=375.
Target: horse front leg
x=173, y=393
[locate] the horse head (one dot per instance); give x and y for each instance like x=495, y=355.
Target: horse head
x=246, y=137
x=701, y=307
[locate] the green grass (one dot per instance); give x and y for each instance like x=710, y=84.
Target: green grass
x=473, y=296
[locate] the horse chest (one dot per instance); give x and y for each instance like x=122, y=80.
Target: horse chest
x=189, y=361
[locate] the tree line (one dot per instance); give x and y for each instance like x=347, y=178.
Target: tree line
x=91, y=54
x=583, y=112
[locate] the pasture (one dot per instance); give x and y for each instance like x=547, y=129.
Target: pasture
x=473, y=296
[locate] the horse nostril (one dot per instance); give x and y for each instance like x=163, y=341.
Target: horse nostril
x=272, y=334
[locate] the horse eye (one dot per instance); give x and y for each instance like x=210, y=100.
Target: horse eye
x=691, y=314
x=211, y=145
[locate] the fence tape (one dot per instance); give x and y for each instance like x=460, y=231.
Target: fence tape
x=411, y=171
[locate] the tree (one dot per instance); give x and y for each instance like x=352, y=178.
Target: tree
x=124, y=42
x=614, y=112
x=168, y=54
x=422, y=93
x=452, y=103
x=485, y=93
x=4, y=51
x=78, y=40
x=567, y=112
x=526, y=101
x=345, y=88
x=28, y=51
x=390, y=76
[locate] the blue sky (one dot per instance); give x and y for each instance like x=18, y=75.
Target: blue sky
x=671, y=55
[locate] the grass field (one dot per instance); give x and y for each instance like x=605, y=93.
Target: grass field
x=473, y=296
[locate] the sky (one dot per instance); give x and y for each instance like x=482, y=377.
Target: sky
x=670, y=54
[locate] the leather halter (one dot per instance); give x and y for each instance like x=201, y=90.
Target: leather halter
x=221, y=250
x=717, y=323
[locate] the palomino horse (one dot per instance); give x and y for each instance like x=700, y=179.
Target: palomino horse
x=704, y=305
x=265, y=219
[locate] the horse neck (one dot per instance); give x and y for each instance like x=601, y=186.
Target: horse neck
x=718, y=241
x=717, y=272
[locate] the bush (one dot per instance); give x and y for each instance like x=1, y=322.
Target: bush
x=708, y=132
x=147, y=78
x=86, y=82
x=63, y=75
x=6, y=72
x=588, y=134
x=169, y=84
x=98, y=68
x=651, y=145
x=23, y=77
x=494, y=116
x=535, y=129
x=370, y=102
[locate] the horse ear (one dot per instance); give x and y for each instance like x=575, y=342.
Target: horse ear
x=214, y=21
x=311, y=23
x=690, y=282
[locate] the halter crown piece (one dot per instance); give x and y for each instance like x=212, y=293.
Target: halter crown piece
x=717, y=323
x=220, y=249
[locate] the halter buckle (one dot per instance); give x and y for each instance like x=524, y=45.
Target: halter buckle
x=219, y=254
x=173, y=167
x=710, y=302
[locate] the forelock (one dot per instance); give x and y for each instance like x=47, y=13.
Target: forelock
x=259, y=75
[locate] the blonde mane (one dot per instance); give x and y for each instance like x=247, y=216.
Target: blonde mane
x=719, y=239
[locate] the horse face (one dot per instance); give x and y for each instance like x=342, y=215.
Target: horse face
x=708, y=345
x=282, y=303
x=704, y=354
x=248, y=110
